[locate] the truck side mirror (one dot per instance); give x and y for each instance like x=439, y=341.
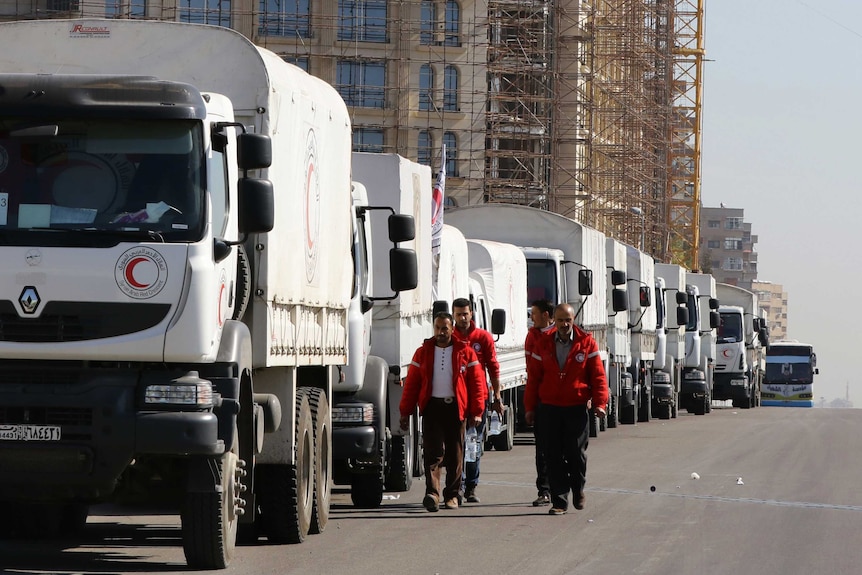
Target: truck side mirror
x=681, y=298
x=256, y=206
x=618, y=277
x=403, y=269
x=402, y=228
x=714, y=319
x=619, y=299
x=439, y=306
x=585, y=282
x=253, y=151
x=498, y=321
x=682, y=316
x=645, y=296
x=713, y=303
x=763, y=335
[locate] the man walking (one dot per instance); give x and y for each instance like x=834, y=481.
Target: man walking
x=541, y=314
x=567, y=374
x=482, y=342
x=445, y=382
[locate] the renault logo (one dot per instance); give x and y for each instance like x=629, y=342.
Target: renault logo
x=29, y=300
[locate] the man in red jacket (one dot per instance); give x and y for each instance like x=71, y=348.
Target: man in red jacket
x=482, y=343
x=445, y=381
x=542, y=316
x=567, y=372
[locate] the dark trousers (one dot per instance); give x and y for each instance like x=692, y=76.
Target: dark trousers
x=443, y=443
x=541, y=467
x=565, y=434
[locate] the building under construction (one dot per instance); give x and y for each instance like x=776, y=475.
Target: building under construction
x=588, y=109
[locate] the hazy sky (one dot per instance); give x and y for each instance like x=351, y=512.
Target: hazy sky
x=782, y=139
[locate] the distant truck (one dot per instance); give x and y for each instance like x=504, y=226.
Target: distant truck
x=740, y=347
x=672, y=317
x=642, y=321
x=627, y=396
x=699, y=365
x=178, y=272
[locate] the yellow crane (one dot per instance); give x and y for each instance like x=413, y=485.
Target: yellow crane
x=683, y=215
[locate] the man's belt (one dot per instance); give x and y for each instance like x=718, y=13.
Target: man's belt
x=449, y=399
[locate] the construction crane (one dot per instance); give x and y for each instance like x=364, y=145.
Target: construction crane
x=683, y=216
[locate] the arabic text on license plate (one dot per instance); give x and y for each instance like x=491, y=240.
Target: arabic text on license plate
x=29, y=432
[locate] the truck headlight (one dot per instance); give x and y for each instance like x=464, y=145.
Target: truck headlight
x=353, y=413
x=197, y=394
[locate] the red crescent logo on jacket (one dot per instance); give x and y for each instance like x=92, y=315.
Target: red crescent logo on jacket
x=580, y=357
x=477, y=347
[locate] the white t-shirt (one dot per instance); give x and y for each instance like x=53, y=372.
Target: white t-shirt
x=441, y=384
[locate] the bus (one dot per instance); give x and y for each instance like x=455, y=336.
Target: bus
x=790, y=370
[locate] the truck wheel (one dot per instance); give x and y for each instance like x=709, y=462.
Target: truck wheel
x=505, y=440
x=287, y=491
x=645, y=408
x=399, y=475
x=243, y=283
x=418, y=452
x=322, y=426
x=707, y=403
x=366, y=490
x=628, y=414
x=594, y=423
x=210, y=519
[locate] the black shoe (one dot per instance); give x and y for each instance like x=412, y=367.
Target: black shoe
x=470, y=495
x=431, y=502
x=542, y=499
x=556, y=511
x=579, y=500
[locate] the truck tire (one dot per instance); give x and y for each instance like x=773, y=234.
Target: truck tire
x=322, y=425
x=210, y=519
x=366, y=490
x=707, y=403
x=613, y=416
x=399, y=473
x=243, y=283
x=505, y=440
x=645, y=407
x=418, y=451
x=629, y=414
x=286, y=495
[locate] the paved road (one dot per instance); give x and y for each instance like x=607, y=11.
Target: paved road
x=798, y=510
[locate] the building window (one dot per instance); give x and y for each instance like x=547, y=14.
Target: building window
x=713, y=224
x=732, y=265
x=287, y=18
x=453, y=24
x=426, y=87
x=733, y=224
x=215, y=12
x=361, y=83
x=713, y=244
x=428, y=22
x=732, y=244
x=450, y=88
x=423, y=148
x=123, y=9
x=298, y=61
x=363, y=20
x=451, y=143
x=368, y=140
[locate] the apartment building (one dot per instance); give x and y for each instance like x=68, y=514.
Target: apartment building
x=727, y=246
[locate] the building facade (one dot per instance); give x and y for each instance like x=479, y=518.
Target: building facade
x=773, y=300
x=727, y=246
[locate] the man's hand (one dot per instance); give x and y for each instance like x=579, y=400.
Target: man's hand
x=530, y=418
x=601, y=412
x=474, y=421
x=405, y=423
x=497, y=405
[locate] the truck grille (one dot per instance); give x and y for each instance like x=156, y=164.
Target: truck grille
x=78, y=321
x=63, y=416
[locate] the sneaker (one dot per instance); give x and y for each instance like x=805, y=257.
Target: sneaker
x=430, y=502
x=556, y=511
x=542, y=499
x=579, y=500
x=470, y=495
x=452, y=503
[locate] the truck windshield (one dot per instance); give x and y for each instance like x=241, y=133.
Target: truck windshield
x=730, y=329
x=541, y=281
x=96, y=176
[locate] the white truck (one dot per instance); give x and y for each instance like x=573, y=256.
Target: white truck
x=624, y=401
x=498, y=281
x=740, y=354
x=562, y=258
x=370, y=451
x=699, y=364
x=671, y=321
x=642, y=320
x=176, y=249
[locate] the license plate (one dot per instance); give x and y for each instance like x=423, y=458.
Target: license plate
x=737, y=382
x=29, y=433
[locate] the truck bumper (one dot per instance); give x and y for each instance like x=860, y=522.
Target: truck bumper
x=354, y=442
x=694, y=384
x=662, y=393
x=730, y=386
x=102, y=431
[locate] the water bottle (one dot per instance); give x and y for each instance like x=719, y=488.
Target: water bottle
x=494, y=428
x=471, y=445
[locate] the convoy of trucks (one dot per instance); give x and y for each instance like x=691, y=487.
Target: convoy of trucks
x=212, y=301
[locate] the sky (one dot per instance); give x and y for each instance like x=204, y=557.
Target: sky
x=782, y=126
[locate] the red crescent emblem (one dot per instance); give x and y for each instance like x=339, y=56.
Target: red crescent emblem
x=130, y=273
x=308, y=238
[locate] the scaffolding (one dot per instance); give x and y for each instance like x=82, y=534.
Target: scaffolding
x=590, y=109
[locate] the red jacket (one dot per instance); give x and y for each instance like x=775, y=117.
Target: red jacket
x=583, y=377
x=467, y=380
x=482, y=343
x=532, y=341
